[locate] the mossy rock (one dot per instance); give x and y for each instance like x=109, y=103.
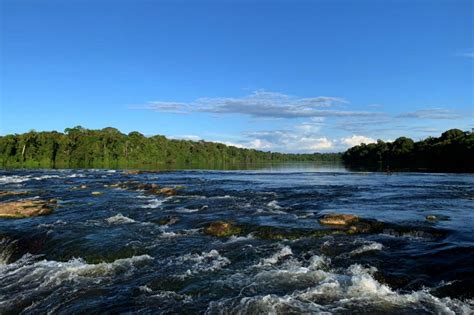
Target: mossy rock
x=272, y=233
x=222, y=229
x=365, y=226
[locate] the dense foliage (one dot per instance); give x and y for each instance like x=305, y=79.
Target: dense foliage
x=452, y=151
x=109, y=148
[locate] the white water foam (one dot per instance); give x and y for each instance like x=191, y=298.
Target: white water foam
x=15, y=179
x=49, y=273
x=155, y=203
x=27, y=278
x=234, y=239
x=179, y=233
x=371, y=246
x=119, y=219
x=284, y=252
x=186, y=210
x=76, y=175
x=6, y=250
x=204, y=262
x=50, y=225
x=273, y=204
x=320, y=289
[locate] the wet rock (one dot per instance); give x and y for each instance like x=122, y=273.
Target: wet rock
x=96, y=193
x=147, y=187
x=366, y=226
x=277, y=233
x=338, y=219
x=116, y=185
x=394, y=280
x=416, y=232
x=12, y=193
x=168, y=191
x=435, y=218
x=25, y=208
x=222, y=229
x=360, y=227
x=272, y=233
x=80, y=187
x=131, y=172
x=136, y=172
x=169, y=220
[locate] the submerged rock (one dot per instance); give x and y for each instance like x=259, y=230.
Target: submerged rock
x=169, y=220
x=116, y=185
x=131, y=172
x=366, y=226
x=273, y=233
x=136, y=172
x=12, y=193
x=222, y=229
x=147, y=187
x=80, y=187
x=150, y=188
x=26, y=208
x=338, y=219
x=434, y=218
x=168, y=191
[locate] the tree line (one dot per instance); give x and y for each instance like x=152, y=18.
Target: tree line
x=453, y=151
x=79, y=147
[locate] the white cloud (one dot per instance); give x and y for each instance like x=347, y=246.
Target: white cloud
x=165, y=107
x=356, y=140
x=186, y=137
x=288, y=141
x=260, y=104
x=431, y=113
x=230, y=143
x=260, y=144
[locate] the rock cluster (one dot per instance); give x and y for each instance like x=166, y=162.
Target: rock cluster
x=136, y=172
x=333, y=224
x=149, y=188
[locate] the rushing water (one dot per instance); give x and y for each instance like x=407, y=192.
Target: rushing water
x=109, y=253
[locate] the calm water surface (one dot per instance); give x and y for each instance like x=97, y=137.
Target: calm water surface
x=109, y=253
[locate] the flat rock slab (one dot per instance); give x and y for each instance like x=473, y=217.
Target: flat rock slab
x=338, y=219
x=25, y=208
x=12, y=193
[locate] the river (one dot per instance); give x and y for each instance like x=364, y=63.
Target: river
x=127, y=250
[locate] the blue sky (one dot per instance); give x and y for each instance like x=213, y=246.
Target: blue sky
x=290, y=76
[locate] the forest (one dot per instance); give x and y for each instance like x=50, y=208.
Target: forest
x=453, y=151
x=79, y=147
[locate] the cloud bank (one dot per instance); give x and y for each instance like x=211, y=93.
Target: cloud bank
x=262, y=104
x=307, y=124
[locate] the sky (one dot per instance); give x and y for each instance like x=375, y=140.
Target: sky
x=287, y=76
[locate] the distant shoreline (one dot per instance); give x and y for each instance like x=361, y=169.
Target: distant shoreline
x=108, y=148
